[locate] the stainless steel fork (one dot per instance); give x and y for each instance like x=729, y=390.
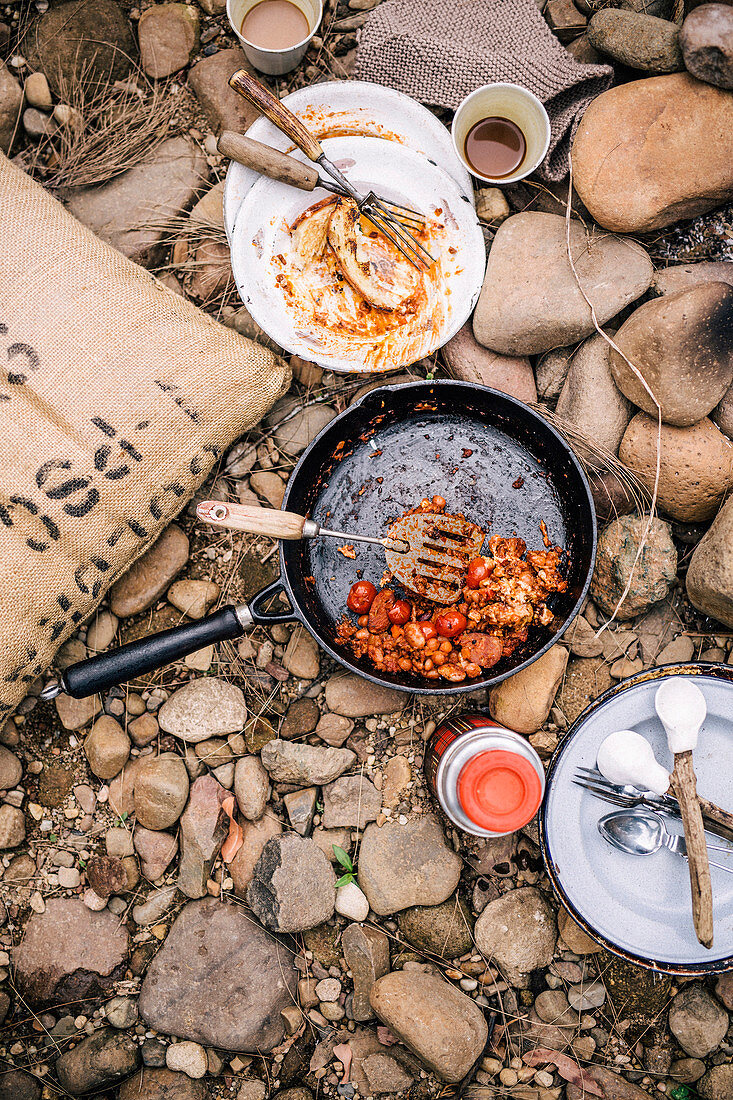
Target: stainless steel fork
x=592, y=780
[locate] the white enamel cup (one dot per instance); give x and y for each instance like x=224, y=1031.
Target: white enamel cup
x=274, y=62
x=504, y=101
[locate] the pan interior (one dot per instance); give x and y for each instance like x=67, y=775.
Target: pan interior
x=490, y=457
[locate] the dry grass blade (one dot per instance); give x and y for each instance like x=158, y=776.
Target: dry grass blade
x=597, y=460
x=113, y=125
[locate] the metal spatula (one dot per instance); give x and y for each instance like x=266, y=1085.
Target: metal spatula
x=427, y=553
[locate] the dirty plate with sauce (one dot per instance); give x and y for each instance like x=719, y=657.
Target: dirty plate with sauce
x=290, y=257
x=340, y=108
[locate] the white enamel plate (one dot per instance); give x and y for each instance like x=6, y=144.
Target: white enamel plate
x=396, y=173
x=341, y=107
x=639, y=906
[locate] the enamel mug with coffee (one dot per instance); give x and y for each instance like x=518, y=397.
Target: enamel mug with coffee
x=275, y=62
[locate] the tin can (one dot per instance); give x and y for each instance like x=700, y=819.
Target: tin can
x=488, y=780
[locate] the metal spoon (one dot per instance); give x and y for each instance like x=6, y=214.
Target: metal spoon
x=641, y=833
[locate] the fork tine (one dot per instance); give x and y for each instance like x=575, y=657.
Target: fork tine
x=383, y=227
x=402, y=241
x=606, y=794
x=400, y=213
x=408, y=240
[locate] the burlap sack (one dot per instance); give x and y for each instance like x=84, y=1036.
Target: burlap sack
x=117, y=398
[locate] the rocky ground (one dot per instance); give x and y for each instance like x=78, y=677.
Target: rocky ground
x=170, y=926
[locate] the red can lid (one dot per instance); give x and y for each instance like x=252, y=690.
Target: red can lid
x=499, y=790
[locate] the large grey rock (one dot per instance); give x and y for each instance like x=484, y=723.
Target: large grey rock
x=219, y=979
x=69, y=953
x=444, y=930
x=353, y=697
x=682, y=345
x=441, y=1025
x=98, y=1061
x=161, y=788
x=88, y=40
x=204, y=828
x=590, y=400
x=251, y=787
x=530, y=301
x=168, y=34
x=518, y=932
x=11, y=105
x=306, y=765
x=224, y=108
x=717, y=1083
x=654, y=151
x=706, y=39
x=366, y=951
x=710, y=575
x=677, y=277
x=352, y=800
x=638, y=40
x=203, y=708
x=697, y=1021
x=695, y=465
x=654, y=570
x=147, y=579
x=129, y=209
x=17, y=1085
x=405, y=865
x=256, y=835
x=162, y=1084
x=293, y=885
x=469, y=361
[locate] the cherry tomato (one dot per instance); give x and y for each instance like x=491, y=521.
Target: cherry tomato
x=450, y=623
x=399, y=613
x=478, y=570
x=428, y=630
x=361, y=597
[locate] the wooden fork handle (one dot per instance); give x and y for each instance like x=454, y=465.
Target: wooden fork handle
x=685, y=789
x=252, y=519
x=267, y=161
x=270, y=106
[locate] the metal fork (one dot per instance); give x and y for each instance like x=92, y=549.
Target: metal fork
x=592, y=780
x=389, y=218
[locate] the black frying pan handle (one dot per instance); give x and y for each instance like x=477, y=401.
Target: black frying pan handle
x=267, y=618
x=136, y=658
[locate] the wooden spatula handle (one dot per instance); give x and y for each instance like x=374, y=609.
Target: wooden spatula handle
x=252, y=519
x=270, y=106
x=685, y=789
x=267, y=161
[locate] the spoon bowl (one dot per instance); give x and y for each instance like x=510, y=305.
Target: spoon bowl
x=681, y=708
x=641, y=832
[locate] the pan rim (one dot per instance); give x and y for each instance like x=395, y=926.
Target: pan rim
x=424, y=387
x=660, y=966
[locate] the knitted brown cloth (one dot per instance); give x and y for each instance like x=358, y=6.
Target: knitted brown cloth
x=437, y=51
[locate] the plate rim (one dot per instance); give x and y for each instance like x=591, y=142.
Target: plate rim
x=465, y=182
x=339, y=366
x=690, y=668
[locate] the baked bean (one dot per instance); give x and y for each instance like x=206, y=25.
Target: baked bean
x=439, y=502
x=450, y=672
x=396, y=632
x=439, y=659
x=362, y=635
x=446, y=646
x=414, y=636
x=363, y=620
x=405, y=664
x=428, y=664
x=432, y=645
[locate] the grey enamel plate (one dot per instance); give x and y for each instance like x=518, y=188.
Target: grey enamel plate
x=639, y=906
